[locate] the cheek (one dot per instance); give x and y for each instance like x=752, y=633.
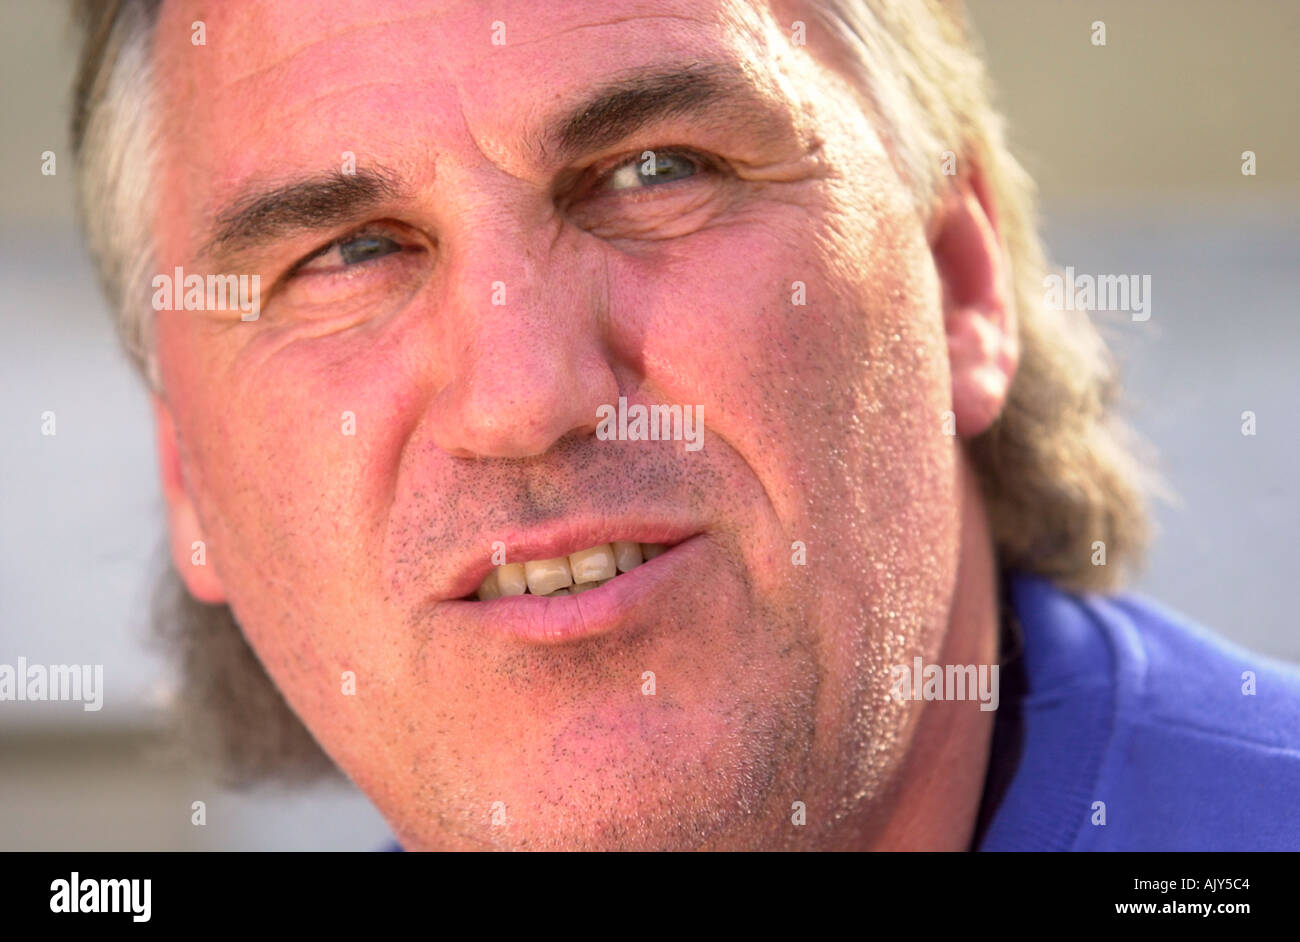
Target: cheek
x=818, y=353
x=816, y=349
x=294, y=449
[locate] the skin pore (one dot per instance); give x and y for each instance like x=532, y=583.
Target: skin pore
x=479, y=165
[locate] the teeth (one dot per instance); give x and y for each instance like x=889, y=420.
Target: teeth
x=511, y=579
x=546, y=575
x=592, y=565
x=551, y=595
x=567, y=575
x=490, y=589
x=627, y=556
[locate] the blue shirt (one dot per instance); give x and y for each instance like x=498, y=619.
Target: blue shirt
x=1119, y=701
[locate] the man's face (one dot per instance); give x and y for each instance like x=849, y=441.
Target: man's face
x=429, y=387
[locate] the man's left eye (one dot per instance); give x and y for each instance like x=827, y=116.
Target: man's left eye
x=651, y=169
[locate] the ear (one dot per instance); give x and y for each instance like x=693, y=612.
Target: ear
x=978, y=309
x=193, y=563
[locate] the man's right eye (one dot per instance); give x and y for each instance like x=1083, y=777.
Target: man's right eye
x=347, y=252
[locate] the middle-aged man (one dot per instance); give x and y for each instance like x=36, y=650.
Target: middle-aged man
x=480, y=231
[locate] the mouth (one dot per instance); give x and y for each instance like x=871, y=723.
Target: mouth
x=553, y=591
x=573, y=574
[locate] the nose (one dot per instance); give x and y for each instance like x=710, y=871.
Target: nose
x=523, y=313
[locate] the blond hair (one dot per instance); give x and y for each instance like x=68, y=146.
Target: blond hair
x=1057, y=469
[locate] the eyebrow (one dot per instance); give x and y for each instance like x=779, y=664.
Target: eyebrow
x=303, y=205
x=624, y=106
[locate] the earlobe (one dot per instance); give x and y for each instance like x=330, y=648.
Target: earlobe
x=189, y=551
x=978, y=306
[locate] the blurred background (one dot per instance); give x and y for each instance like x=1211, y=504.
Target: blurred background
x=1136, y=146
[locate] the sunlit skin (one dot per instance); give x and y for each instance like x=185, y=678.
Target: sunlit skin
x=475, y=422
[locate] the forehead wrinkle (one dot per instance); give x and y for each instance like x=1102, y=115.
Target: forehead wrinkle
x=341, y=88
x=288, y=56
x=618, y=21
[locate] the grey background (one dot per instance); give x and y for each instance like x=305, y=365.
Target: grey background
x=1136, y=147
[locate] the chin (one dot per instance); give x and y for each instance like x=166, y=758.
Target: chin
x=635, y=776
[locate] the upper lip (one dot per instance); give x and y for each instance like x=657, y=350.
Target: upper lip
x=559, y=537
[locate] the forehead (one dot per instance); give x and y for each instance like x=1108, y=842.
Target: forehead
x=294, y=85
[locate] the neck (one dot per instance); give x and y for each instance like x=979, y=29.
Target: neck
x=938, y=796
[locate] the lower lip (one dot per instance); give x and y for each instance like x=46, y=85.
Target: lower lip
x=565, y=618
